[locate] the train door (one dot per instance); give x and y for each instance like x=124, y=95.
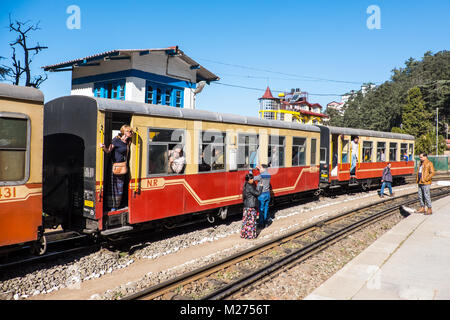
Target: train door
x=334, y=155
x=324, y=151
x=115, y=211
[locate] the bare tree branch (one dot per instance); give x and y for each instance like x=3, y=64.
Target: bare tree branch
x=22, y=67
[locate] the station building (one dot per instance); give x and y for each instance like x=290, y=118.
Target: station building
x=165, y=76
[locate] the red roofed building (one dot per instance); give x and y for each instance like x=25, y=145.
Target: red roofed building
x=290, y=106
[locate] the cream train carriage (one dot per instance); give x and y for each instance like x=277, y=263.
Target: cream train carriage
x=375, y=150
x=21, y=112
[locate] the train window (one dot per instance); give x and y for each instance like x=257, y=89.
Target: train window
x=345, y=151
x=247, y=156
x=166, y=151
x=313, y=151
x=393, y=151
x=381, y=151
x=13, y=149
x=298, y=151
x=411, y=151
x=404, y=151
x=276, y=151
x=367, y=151
x=323, y=155
x=212, y=151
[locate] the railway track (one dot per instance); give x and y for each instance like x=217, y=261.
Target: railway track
x=61, y=244
x=226, y=277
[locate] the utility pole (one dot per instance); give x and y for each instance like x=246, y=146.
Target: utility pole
x=437, y=133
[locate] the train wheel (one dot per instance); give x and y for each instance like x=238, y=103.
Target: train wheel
x=211, y=219
x=39, y=247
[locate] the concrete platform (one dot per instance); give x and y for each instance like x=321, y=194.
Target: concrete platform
x=409, y=262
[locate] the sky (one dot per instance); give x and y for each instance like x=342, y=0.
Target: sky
x=325, y=48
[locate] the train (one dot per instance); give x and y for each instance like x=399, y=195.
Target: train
x=53, y=172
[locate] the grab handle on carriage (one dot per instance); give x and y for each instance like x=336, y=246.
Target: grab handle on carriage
x=136, y=167
x=101, y=163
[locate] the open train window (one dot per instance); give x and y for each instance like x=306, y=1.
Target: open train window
x=393, y=151
x=276, y=151
x=14, y=148
x=212, y=151
x=298, y=151
x=345, y=151
x=404, y=152
x=411, y=152
x=381, y=151
x=367, y=151
x=248, y=148
x=166, y=151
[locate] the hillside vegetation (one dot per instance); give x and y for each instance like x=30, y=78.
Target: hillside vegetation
x=406, y=103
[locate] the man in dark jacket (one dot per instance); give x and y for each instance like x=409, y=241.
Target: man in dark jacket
x=264, y=199
x=386, y=180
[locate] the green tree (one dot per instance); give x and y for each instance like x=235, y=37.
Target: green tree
x=416, y=120
x=427, y=143
x=382, y=109
x=336, y=119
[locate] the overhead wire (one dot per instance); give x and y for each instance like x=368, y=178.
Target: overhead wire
x=259, y=89
x=296, y=76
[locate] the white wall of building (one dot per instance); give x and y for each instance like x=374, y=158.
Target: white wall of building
x=86, y=89
x=135, y=89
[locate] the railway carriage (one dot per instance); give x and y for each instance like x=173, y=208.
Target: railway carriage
x=375, y=149
x=219, y=150
x=21, y=112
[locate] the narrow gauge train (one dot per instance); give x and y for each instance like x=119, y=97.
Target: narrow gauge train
x=219, y=150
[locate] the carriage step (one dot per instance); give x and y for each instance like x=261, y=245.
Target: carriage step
x=116, y=230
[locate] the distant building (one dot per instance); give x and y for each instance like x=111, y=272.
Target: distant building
x=270, y=104
x=290, y=106
x=164, y=76
x=339, y=106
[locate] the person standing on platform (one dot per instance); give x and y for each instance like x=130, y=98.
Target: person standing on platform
x=423, y=178
x=250, y=215
x=264, y=199
x=386, y=180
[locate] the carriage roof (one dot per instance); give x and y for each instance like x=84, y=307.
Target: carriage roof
x=369, y=133
x=194, y=114
x=20, y=92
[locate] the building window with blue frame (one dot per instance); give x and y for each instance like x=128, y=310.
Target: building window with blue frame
x=110, y=89
x=164, y=95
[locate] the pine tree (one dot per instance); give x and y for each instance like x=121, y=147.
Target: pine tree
x=416, y=120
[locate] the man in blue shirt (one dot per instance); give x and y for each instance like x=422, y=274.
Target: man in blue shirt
x=264, y=199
